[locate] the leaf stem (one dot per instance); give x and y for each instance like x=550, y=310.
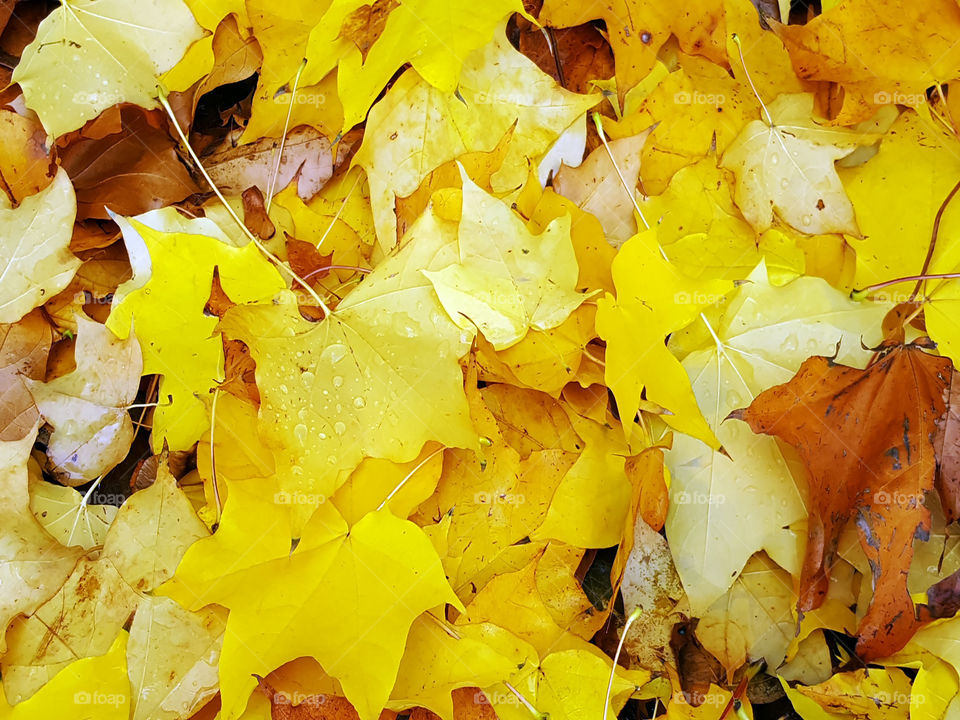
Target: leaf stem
x=283, y=137
x=860, y=294
x=743, y=62
x=236, y=218
x=616, y=658
x=213, y=456
x=82, y=507
x=933, y=238
x=407, y=477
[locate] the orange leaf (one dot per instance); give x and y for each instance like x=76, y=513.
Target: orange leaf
x=866, y=437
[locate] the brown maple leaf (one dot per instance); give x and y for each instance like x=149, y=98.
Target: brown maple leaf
x=867, y=440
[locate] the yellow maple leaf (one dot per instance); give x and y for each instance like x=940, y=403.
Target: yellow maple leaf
x=35, y=262
x=653, y=300
x=359, y=589
x=173, y=271
x=416, y=127
x=507, y=280
x=434, y=36
x=91, y=54
x=379, y=377
x=784, y=168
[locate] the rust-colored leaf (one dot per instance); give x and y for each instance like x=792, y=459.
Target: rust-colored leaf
x=129, y=169
x=867, y=439
x=255, y=214
x=306, y=261
x=947, y=446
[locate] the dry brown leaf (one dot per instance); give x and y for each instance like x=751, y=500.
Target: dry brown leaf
x=307, y=158
x=129, y=166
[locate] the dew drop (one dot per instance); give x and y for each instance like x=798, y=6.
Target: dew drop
x=359, y=402
x=806, y=220
x=337, y=381
x=300, y=431
x=339, y=428
x=774, y=158
x=334, y=353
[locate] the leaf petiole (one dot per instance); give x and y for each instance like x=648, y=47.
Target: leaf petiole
x=162, y=96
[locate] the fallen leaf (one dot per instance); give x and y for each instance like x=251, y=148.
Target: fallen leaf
x=88, y=407
x=597, y=186
x=409, y=32
x=170, y=681
x=653, y=299
x=650, y=583
x=173, y=261
x=96, y=53
x=507, y=281
x=365, y=377
x=872, y=455
x=152, y=532
x=500, y=88
x=330, y=568
x=871, y=692
x=135, y=169
x=785, y=169
x=754, y=620
x=35, y=263
x=306, y=158
x=26, y=165
x=63, y=513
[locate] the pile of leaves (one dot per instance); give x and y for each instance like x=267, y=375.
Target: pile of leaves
x=475, y=360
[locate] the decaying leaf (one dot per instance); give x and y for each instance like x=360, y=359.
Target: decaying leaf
x=35, y=262
x=87, y=408
x=866, y=439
